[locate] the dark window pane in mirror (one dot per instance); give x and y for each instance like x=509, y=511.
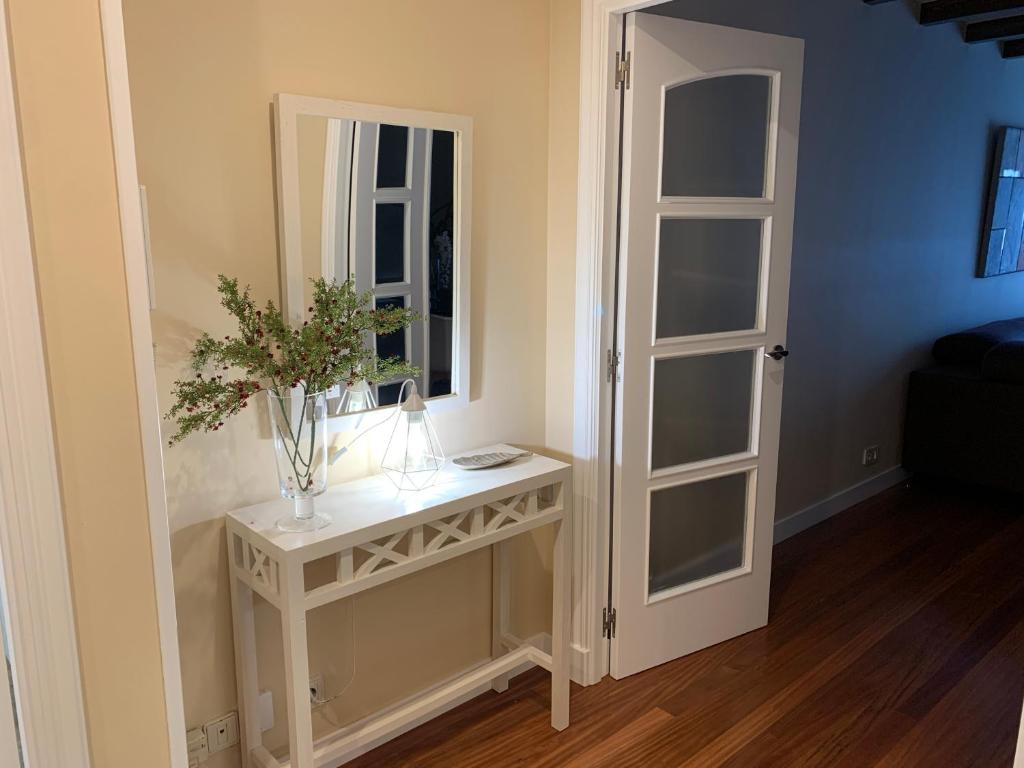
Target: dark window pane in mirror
x=441, y=261
x=708, y=276
x=701, y=407
x=392, y=156
x=715, y=137
x=697, y=531
x=389, y=243
x=442, y=219
x=387, y=394
x=441, y=335
x=391, y=344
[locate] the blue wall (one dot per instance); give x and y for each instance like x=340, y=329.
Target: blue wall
x=895, y=152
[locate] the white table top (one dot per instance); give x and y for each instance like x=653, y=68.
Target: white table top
x=372, y=507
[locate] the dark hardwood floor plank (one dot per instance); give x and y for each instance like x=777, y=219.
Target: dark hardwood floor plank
x=976, y=723
x=901, y=663
x=773, y=671
x=617, y=749
x=471, y=730
x=891, y=625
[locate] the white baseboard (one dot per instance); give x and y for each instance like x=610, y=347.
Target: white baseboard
x=579, y=665
x=579, y=658
x=833, y=505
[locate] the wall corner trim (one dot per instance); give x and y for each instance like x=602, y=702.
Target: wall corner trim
x=137, y=278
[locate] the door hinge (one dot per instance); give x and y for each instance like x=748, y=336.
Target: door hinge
x=623, y=65
x=612, y=362
x=608, y=623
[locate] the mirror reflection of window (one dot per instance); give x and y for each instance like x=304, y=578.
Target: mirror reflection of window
x=391, y=344
x=378, y=203
x=389, y=243
x=388, y=393
x=392, y=156
x=441, y=260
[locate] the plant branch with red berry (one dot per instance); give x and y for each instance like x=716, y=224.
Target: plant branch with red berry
x=333, y=346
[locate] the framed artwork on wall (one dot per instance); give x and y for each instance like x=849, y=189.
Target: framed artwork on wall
x=1002, y=249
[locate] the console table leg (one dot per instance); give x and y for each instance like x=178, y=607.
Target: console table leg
x=499, y=608
x=245, y=664
x=296, y=668
x=561, y=601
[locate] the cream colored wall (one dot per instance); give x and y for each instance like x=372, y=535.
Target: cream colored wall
x=563, y=156
x=59, y=74
x=531, y=602
x=203, y=76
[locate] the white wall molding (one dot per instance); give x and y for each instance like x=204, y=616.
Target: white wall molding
x=33, y=552
x=133, y=245
x=591, y=399
x=839, y=502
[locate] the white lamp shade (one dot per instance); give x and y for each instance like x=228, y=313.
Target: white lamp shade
x=413, y=456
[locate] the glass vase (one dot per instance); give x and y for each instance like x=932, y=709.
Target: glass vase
x=298, y=421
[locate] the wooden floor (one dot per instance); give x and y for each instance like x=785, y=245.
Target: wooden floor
x=896, y=639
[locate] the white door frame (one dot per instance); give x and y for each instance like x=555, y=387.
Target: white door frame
x=33, y=552
x=595, y=291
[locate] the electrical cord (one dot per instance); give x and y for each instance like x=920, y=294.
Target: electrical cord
x=332, y=458
x=315, y=705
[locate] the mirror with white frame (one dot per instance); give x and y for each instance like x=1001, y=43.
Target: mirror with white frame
x=381, y=195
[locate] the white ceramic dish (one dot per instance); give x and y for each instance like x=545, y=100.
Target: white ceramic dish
x=488, y=460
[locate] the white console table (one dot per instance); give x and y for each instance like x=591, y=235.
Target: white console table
x=379, y=534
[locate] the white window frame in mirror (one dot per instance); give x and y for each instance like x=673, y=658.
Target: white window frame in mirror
x=287, y=108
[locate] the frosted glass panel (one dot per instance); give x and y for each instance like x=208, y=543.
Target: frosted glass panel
x=701, y=407
x=708, y=276
x=716, y=137
x=697, y=531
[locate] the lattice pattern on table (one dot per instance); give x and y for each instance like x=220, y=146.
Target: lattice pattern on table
x=261, y=567
x=366, y=559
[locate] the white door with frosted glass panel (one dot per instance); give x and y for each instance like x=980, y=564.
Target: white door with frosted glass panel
x=390, y=230
x=710, y=123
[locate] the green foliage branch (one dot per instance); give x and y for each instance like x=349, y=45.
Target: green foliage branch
x=333, y=346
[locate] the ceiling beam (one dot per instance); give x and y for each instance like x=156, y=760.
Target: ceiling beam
x=997, y=29
x=940, y=11
x=1013, y=49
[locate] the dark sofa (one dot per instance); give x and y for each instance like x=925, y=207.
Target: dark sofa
x=965, y=414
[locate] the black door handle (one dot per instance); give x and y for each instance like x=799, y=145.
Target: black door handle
x=778, y=353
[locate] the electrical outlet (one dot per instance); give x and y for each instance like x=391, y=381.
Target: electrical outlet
x=197, y=747
x=870, y=456
x=222, y=733
x=317, y=692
